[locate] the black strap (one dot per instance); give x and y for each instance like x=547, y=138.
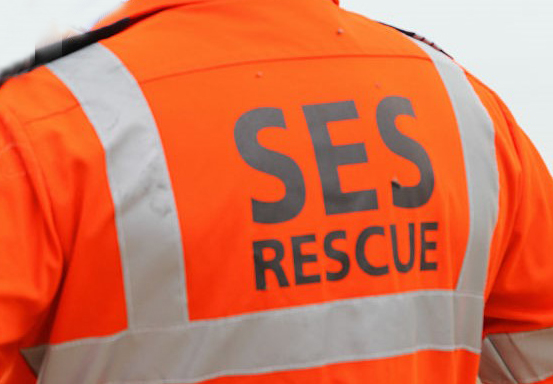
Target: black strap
x=65, y=47
x=72, y=44
x=418, y=37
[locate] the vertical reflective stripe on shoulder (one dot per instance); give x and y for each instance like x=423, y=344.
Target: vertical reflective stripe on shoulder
x=478, y=140
x=517, y=358
x=145, y=212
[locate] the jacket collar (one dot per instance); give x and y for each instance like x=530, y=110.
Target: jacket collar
x=137, y=8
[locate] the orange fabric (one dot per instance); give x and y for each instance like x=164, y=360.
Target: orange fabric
x=58, y=223
x=202, y=65
x=215, y=165
x=456, y=367
x=341, y=54
x=520, y=272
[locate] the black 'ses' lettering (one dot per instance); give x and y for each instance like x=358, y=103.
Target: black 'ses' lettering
x=407, y=243
x=329, y=157
x=273, y=163
x=406, y=197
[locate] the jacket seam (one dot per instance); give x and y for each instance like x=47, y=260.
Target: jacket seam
x=40, y=170
x=50, y=115
x=275, y=60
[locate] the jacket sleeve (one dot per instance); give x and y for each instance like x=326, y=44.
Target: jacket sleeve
x=30, y=260
x=518, y=324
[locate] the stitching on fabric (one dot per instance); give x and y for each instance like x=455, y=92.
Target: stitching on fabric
x=275, y=60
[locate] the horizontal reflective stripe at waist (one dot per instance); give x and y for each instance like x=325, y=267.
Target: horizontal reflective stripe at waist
x=295, y=338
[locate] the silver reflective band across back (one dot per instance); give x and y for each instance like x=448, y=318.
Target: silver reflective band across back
x=161, y=345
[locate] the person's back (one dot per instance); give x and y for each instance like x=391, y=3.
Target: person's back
x=268, y=191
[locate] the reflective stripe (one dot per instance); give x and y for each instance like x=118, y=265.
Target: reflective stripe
x=168, y=348
x=478, y=140
x=517, y=358
x=303, y=337
x=146, y=217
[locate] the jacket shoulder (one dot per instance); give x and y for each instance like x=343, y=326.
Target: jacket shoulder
x=416, y=36
x=63, y=48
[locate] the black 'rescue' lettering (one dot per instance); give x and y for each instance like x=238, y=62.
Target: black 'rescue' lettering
x=271, y=256
x=329, y=157
x=274, y=264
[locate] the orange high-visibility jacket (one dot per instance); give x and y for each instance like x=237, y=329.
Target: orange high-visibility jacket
x=277, y=191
